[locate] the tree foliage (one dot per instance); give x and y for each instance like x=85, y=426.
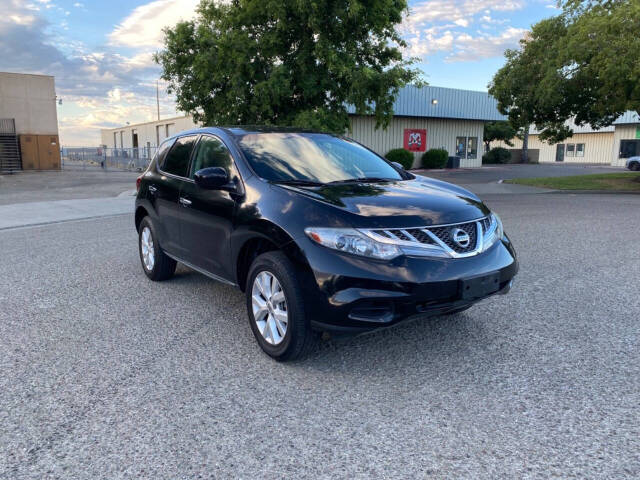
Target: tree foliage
x=434, y=158
x=287, y=62
x=583, y=65
x=402, y=156
x=498, y=131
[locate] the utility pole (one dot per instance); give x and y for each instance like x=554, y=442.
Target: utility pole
x=158, y=99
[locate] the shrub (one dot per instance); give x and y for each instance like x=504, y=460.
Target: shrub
x=497, y=155
x=402, y=156
x=435, y=158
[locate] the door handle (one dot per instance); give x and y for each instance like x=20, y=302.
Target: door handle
x=152, y=189
x=185, y=202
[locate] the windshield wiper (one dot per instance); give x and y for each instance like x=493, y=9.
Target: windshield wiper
x=301, y=182
x=363, y=179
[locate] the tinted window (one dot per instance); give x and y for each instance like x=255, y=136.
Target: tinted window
x=162, y=151
x=211, y=152
x=177, y=160
x=311, y=156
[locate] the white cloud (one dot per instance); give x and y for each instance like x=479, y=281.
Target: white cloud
x=447, y=11
x=469, y=48
x=434, y=26
x=143, y=27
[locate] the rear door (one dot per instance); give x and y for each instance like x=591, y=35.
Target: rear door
x=208, y=215
x=172, y=175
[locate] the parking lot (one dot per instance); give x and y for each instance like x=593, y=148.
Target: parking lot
x=108, y=375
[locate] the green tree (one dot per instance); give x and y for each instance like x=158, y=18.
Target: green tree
x=287, y=62
x=582, y=65
x=498, y=131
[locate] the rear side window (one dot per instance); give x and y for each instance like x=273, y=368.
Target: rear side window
x=211, y=153
x=177, y=160
x=162, y=151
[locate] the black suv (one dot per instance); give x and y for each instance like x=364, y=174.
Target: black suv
x=318, y=231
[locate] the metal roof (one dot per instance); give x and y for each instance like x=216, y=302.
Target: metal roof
x=440, y=102
x=628, y=117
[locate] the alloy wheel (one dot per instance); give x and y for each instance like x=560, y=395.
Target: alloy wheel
x=269, y=306
x=147, y=248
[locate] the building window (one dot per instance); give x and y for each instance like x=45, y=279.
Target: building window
x=579, y=149
x=571, y=149
x=461, y=147
x=629, y=148
x=467, y=147
x=472, y=147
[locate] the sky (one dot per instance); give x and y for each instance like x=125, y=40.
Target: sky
x=100, y=51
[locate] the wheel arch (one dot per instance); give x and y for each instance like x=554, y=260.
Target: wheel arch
x=141, y=212
x=260, y=239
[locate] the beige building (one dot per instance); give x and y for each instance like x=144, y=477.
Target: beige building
x=610, y=145
x=145, y=135
x=424, y=118
x=28, y=122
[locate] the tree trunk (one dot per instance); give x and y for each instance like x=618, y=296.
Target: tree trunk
x=525, y=145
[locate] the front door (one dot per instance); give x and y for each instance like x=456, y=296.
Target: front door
x=560, y=152
x=208, y=215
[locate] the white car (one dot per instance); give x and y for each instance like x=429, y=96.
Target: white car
x=633, y=163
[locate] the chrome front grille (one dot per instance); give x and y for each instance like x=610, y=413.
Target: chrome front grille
x=438, y=240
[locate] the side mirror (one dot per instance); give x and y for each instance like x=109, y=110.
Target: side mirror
x=211, y=178
x=398, y=166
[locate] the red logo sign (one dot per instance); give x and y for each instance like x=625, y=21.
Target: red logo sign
x=415, y=140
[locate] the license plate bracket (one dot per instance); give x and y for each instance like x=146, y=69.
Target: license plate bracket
x=479, y=286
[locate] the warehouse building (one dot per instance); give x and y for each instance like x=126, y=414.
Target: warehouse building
x=28, y=123
x=610, y=145
x=424, y=118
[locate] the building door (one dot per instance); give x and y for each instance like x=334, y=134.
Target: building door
x=134, y=143
x=560, y=152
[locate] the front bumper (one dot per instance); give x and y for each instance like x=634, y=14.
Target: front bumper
x=349, y=293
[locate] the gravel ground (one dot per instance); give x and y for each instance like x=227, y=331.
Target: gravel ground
x=108, y=375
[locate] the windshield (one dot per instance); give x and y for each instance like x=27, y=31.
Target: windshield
x=312, y=157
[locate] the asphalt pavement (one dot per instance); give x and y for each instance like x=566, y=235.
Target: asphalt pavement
x=108, y=375
x=495, y=173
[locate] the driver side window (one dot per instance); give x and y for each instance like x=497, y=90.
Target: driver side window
x=211, y=153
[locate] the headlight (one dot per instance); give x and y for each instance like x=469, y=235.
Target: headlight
x=352, y=241
x=495, y=232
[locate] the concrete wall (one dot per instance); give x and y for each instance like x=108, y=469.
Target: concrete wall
x=597, y=147
x=150, y=132
x=441, y=133
x=31, y=101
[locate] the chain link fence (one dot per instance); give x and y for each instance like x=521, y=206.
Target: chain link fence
x=129, y=159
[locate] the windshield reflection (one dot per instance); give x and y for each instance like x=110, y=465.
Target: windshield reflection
x=312, y=157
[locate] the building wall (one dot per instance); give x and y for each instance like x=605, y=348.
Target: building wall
x=623, y=132
x=150, y=133
x=441, y=133
x=31, y=101
x=597, y=147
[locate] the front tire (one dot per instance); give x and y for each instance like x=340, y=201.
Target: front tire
x=276, y=308
x=155, y=263
x=635, y=166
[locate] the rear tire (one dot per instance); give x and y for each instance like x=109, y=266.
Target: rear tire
x=273, y=293
x=635, y=166
x=155, y=263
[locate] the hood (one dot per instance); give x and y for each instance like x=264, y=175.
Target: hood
x=409, y=203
